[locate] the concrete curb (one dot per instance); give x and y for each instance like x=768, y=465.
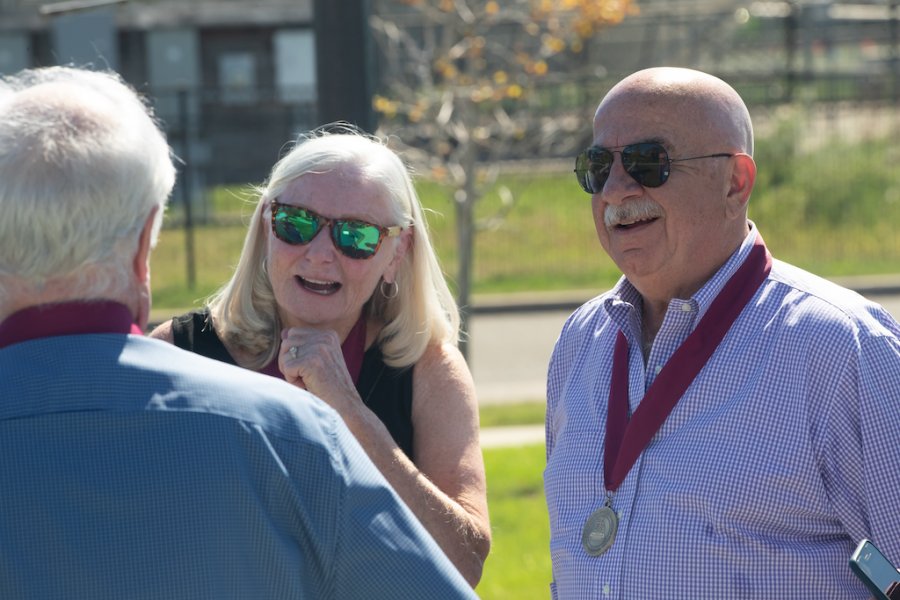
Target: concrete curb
x=511, y=435
x=866, y=285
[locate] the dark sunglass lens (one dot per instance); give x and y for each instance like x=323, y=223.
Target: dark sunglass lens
x=601, y=164
x=647, y=163
x=295, y=225
x=592, y=168
x=582, y=171
x=356, y=239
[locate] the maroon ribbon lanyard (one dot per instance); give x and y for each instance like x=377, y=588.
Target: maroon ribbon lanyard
x=626, y=438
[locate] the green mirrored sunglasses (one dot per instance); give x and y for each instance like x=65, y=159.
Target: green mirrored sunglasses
x=357, y=239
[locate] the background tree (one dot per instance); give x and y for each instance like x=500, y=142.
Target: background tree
x=466, y=83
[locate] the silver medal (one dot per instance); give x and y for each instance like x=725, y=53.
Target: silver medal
x=600, y=530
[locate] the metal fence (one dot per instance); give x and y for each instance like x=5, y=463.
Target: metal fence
x=227, y=136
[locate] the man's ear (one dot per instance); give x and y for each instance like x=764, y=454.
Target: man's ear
x=743, y=176
x=142, y=258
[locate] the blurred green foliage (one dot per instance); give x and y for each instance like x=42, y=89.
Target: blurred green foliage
x=833, y=209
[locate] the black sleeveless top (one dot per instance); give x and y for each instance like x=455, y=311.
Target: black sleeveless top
x=385, y=390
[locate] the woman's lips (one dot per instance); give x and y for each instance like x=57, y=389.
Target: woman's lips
x=319, y=287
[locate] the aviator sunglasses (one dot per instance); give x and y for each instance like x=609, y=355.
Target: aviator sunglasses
x=648, y=164
x=357, y=239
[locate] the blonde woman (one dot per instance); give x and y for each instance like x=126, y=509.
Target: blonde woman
x=338, y=291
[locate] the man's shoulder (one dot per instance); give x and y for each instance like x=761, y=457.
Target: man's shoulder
x=812, y=297
x=589, y=314
x=812, y=285
x=586, y=320
x=132, y=373
x=580, y=329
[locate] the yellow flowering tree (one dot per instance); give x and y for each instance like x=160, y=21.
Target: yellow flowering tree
x=462, y=86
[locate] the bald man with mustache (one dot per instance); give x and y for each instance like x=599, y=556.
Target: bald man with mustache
x=721, y=424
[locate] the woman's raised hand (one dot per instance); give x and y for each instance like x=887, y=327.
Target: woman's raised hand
x=312, y=360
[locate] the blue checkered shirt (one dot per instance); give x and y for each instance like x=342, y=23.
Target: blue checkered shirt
x=780, y=457
x=132, y=469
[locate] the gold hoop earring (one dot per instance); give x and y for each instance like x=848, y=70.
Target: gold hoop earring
x=393, y=285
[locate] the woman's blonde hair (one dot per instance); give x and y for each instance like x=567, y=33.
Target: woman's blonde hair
x=423, y=311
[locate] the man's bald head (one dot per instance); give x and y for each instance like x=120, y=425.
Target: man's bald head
x=696, y=99
x=669, y=237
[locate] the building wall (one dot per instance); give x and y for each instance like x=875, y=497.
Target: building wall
x=211, y=68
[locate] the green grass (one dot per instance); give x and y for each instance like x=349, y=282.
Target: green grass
x=217, y=252
x=547, y=242
x=519, y=564
x=523, y=413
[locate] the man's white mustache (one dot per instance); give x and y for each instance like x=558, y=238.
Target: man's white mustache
x=633, y=210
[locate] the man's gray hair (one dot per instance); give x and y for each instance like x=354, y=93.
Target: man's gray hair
x=82, y=165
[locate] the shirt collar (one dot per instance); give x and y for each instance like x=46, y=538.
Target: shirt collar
x=705, y=295
x=67, y=318
x=625, y=296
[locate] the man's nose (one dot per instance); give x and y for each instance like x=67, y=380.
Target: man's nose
x=620, y=185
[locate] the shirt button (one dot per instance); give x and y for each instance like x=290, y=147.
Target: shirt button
x=621, y=514
x=606, y=590
x=686, y=307
x=657, y=369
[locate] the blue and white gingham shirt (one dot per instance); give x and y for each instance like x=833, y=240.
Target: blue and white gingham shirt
x=780, y=457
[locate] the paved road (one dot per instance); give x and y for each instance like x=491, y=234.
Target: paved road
x=509, y=353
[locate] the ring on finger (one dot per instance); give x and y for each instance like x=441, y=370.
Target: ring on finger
x=293, y=352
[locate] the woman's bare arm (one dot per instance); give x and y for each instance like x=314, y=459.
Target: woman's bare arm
x=163, y=332
x=446, y=487
x=447, y=450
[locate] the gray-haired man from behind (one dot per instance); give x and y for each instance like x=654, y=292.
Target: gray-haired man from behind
x=132, y=469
